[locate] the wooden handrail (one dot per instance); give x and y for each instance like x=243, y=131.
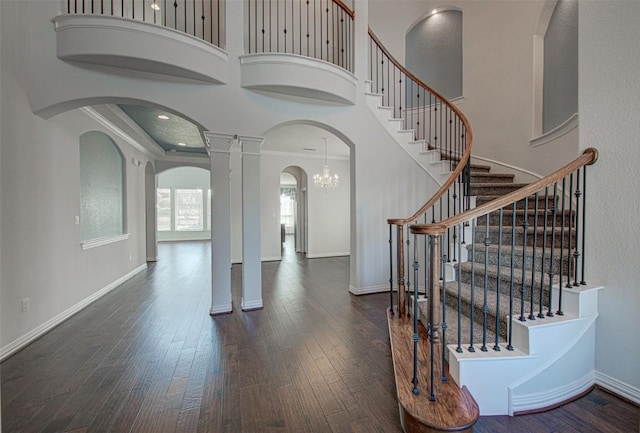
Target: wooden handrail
x=588, y=157
x=345, y=8
x=468, y=137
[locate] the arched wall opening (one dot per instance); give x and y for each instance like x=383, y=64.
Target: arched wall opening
x=183, y=197
x=325, y=217
x=293, y=191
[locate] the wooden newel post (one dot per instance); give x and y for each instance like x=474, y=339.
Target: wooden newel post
x=402, y=292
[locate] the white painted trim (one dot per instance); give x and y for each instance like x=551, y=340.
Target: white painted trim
x=566, y=127
x=322, y=255
x=98, y=242
x=299, y=60
x=251, y=305
x=549, y=397
x=45, y=327
x=368, y=290
x=91, y=112
x=152, y=259
x=509, y=166
x=266, y=259
x=221, y=309
x=305, y=154
x=618, y=387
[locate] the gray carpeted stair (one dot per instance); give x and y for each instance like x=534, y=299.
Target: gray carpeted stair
x=527, y=282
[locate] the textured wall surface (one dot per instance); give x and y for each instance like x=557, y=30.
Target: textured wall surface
x=609, y=112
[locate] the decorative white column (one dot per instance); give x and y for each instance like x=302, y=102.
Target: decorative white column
x=251, y=250
x=219, y=148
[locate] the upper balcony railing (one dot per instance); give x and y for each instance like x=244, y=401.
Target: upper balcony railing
x=321, y=29
x=203, y=19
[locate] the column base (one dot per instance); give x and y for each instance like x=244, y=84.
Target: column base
x=221, y=309
x=251, y=305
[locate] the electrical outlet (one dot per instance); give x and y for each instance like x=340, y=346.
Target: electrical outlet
x=76, y=220
x=26, y=304
x=130, y=257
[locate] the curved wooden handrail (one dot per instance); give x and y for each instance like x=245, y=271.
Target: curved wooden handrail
x=468, y=137
x=345, y=8
x=588, y=157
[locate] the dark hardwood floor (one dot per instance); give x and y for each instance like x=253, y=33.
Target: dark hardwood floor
x=147, y=357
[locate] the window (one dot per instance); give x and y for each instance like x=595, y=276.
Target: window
x=189, y=211
x=164, y=209
x=102, y=191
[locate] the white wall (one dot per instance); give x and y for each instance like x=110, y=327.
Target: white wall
x=498, y=64
x=42, y=258
x=609, y=89
x=186, y=178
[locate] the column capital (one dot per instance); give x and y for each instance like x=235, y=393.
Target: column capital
x=217, y=142
x=250, y=145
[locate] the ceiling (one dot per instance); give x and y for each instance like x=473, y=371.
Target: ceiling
x=167, y=133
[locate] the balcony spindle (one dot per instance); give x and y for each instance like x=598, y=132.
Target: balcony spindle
x=473, y=285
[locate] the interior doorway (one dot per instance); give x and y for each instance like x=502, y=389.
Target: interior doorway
x=293, y=208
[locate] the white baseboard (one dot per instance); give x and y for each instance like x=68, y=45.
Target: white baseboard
x=221, y=309
x=42, y=329
x=618, y=387
x=323, y=255
x=251, y=305
x=550, y=397
x=368, y=290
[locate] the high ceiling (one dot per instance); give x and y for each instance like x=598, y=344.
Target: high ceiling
x=169, y=132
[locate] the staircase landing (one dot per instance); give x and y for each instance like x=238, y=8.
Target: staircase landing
x=454, y=408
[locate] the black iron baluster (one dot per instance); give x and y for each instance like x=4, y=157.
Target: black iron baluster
x=485, y=292
x=576, y=252
x=459, y=348
x=430, y=330
x=416, y=267
x=559, y=312
x=584, y=221
x=391, y=268
x=496, y=347
x=552, y=265
x=473, y=285
x=443, y=335
x=512, y=277
x=533, y=260
x=525, y=227
x=572, y=218
x=544, y=252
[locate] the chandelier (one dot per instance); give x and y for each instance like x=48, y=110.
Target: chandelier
x=325, y=180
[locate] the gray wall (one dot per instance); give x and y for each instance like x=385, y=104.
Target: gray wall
x=560, y=100
x=434, y=52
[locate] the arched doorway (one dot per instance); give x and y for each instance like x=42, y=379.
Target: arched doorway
x=293, y=206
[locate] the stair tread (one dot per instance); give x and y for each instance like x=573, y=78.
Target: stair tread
x=505, y=272
x=498, y=185
x=505, y=175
